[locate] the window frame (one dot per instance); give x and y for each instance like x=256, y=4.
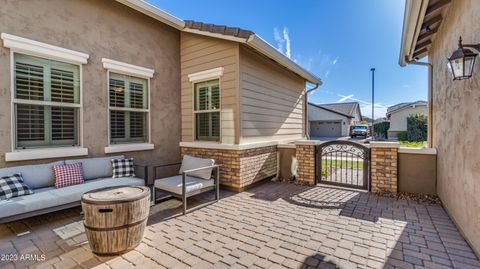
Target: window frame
x=148, y=131
x=219, y=109
x=14, y=101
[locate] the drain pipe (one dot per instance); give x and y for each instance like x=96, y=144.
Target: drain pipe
x=306, y=92
x=430, y=99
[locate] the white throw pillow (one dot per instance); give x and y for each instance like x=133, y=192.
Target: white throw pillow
x=190, y=162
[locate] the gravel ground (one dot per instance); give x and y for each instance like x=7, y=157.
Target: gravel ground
x=421, y=198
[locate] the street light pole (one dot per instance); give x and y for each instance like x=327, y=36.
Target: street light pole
x=373, y=101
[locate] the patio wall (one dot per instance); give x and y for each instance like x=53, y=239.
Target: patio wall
x=102, y=29
x=393, y=169
x=455, y=122
x=240, y=168
x=417, y=170
x=286, y=155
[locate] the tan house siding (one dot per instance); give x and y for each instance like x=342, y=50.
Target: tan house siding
x=271, y=101
x=200, y=53
x=102, y=29
x=455, y=121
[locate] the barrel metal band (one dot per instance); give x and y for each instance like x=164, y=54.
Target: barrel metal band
x=114, y=228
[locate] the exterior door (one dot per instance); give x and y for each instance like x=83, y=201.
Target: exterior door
x=325, y=128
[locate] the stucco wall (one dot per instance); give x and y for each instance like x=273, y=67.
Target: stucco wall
x=417, y=173
x=456, y=121
x=398, y=119
x=318, y=114
x=200, y=53
x=102, y=29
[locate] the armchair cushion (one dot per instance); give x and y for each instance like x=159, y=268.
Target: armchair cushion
x=174, y=184
x=190, y=162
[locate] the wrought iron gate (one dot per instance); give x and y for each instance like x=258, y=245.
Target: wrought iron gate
x=343, y=163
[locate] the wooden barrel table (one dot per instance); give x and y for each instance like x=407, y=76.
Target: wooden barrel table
x=115, y=218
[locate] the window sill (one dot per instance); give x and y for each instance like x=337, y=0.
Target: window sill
x=45, y=153
x=129, y=147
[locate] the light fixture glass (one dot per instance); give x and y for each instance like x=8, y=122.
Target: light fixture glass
x=462, y=62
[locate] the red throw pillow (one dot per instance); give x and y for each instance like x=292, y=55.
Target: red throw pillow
x=68, y=174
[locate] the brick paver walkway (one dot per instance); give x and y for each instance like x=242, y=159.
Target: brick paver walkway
x=274, y=225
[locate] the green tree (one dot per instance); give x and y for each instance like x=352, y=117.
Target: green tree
x=417, y=126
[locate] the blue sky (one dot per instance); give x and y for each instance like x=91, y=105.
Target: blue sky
x=337, y=40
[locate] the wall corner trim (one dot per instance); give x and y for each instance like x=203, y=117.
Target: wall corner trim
x=206, y=74
x=32, y=47
x=129, y=69
x=45, y=153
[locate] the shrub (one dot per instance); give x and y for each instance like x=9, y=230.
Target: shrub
x=417, y=127
x=380, y=129
x=402, y=136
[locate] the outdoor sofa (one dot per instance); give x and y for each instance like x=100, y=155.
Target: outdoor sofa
x=97, y=173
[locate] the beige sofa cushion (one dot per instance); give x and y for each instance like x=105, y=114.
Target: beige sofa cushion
x=174, y=184
x=190, y=162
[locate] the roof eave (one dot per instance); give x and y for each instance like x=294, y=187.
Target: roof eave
x=412, y=21
x=330, y=110
x=154, y=12
x=253, y=40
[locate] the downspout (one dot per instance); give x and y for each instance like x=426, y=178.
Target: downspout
x=306, y=92
x=430, y=100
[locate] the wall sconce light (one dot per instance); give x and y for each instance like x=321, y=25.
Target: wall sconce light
x=463, y=59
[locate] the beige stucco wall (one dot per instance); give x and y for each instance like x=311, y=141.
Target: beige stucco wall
x=318, y=114
x=398, y=119
x=102, y=29
x=271, y=101
x=456, y=121
x=417, y=173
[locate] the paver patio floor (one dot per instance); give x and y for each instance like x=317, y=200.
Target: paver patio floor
x=273, y=225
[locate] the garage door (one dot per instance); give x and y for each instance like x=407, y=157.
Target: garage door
x=325, y=128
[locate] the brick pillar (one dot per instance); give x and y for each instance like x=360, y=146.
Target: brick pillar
x=305, y=154
x=384, y=166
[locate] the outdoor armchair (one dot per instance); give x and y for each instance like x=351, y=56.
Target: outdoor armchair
x=197, y=178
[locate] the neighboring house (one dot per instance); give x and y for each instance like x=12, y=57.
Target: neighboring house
x=333, y=120
x=398, y=114
x=432, y=28
x=92, y=78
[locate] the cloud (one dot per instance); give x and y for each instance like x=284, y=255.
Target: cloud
x=288, y=49
x=283, y=41
x=345, y=98
x=279, y=39
x=405, y=86
x=319, y=62
x=366, y=107
x=334, y=62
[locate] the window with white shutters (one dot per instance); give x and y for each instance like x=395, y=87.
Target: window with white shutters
x=207, y=110
x=46, y=102
x=128, y=109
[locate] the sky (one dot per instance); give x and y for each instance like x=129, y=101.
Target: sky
x=337, y=40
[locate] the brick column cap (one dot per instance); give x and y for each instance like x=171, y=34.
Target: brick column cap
x=384, y=144
x=309, y=142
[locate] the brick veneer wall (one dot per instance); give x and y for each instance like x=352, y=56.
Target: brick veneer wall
x=384, y=167
x=240, y=167
x=305, y=154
